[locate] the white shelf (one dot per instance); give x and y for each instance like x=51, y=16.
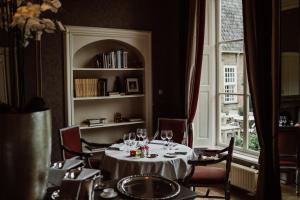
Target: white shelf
x=82, y=44
x=108, y=69
x=111, y=125
x=108, y=97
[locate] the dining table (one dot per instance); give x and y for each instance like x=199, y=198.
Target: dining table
x=169, y=161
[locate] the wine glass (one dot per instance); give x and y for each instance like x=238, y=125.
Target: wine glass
x=169, y=135
x=126, y=140
x=163, y=135
x=132, y=138
x=139, y=132
x=144, y=134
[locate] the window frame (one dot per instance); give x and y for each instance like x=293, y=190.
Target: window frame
x=246, y=94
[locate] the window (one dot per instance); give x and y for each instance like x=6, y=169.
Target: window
x=234, y=108
x=230, y=83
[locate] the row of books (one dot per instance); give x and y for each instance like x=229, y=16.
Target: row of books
x=90, y=87
x=112, y=59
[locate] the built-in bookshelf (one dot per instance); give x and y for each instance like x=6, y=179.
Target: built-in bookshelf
x=108, y=80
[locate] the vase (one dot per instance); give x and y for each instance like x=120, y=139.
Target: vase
x=25, y=154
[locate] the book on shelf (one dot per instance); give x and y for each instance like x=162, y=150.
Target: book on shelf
x=115, y=59
x=85, y=87
x=102, y=87
x=95, y=124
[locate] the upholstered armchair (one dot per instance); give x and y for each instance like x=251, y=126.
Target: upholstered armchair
x=178, y=126
x=289, y=153
x=71, y=144
x=203, y=175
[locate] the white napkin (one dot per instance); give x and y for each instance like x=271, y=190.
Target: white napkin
x=71, y=163
x=55, y=176
x=118, y=146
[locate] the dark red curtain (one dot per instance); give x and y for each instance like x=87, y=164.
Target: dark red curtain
x=194, y=58
x=261, y=31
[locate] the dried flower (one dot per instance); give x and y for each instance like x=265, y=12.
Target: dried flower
x=27, y=18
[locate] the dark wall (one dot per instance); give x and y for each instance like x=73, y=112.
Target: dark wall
x=165, y=20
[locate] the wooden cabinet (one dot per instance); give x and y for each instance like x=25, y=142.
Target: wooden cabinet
x=83, y=46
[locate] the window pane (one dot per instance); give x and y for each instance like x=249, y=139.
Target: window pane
x=231, y=118
x=252, y=134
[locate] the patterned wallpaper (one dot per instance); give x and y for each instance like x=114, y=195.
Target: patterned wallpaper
x=165, y=20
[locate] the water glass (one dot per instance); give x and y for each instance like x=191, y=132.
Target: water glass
x=163, y=135
x=139, y=132
x=126, y=141
x=169, y=135
x=144, y=135
x=132, y=138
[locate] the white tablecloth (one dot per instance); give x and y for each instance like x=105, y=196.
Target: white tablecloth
x=120, y=164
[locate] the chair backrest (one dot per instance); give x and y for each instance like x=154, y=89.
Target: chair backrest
x=229, y=157
x=289, y=147
x=70, y=138
x=178, y=126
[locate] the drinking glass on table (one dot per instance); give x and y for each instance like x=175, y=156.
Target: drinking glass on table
x=132, y=138
x=163, y=135
x=126, y=141
x=139, y=132
x=169, y=135
x=144, y=135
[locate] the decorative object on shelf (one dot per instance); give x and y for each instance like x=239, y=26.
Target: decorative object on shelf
x=113, y=93
x=117, y=85
x=95, y=122
x=117, y=117
x=134, y=119
x=132, y=85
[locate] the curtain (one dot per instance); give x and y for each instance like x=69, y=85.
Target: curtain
x=194, y=53
x=261, y=32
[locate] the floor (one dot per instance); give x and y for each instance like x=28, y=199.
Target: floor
x=288, y=193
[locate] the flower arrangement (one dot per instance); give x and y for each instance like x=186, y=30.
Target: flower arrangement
x=28, y=18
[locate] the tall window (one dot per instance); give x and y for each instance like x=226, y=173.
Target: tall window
x=230, y=83
x=234, y=114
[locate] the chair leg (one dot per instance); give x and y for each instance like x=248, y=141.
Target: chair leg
x=207, y=192
x=227, y=191
x=297, y=181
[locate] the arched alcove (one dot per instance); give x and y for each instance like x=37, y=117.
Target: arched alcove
x=85, y=57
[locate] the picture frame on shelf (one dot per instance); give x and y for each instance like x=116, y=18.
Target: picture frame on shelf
x=132, y=85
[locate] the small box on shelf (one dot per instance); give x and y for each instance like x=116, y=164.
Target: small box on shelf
x=95, y=122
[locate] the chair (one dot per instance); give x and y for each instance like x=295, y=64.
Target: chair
x=178, y=126
x=289, y=153
x=71, y=144
x=209, y=176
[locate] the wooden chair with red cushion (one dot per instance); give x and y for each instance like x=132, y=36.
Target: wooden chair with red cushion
x=203, y=175
x=178, y=126
x=71, y=144
x=289, y=153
